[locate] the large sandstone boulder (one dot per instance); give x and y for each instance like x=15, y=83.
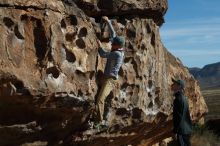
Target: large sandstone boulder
x=125, y=8
x=50, y=73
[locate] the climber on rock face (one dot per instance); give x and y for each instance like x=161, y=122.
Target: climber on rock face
x=114, y=62
x=181, y=117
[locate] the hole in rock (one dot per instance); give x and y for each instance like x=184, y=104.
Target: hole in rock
x=81, y=75
x=127, y=59
x=121, y=111
x=122, y=21
x=83, y=32
x=153, y=39
x=136, y=113
x=8, y=22
x=70, y=57
x=123, y=100
x=131, y=33
x=130, y=46
x=143, y=46
x=135, y=66
x=91, y=75
x=80, y=43
x=72, y=20
x=63, y=23
x=17, y=33
x=121, y=72
x=80, y=62
x=80, y=93
x=157, y=90
x=157, y=100
x=148, y=28
x=19, y=85
x=54, y=71
x=20, y=88
x=124, y=86
x=150, y=105
x=150, y=83
x=24, y=17
x=149, y=94
x=70, y=37
x=40, y=40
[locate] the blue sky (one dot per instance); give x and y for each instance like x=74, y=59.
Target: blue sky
x=192, y=31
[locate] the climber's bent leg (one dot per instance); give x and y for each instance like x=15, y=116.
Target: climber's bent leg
x=104, y=92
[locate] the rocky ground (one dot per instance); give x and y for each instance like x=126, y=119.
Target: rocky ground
x=50, y=73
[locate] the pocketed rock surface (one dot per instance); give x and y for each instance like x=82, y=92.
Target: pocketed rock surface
x=50, y=73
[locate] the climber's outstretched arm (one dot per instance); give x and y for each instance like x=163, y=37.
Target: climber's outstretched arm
x=112, y=31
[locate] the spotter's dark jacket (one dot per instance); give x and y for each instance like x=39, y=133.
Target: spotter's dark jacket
x=181, y=116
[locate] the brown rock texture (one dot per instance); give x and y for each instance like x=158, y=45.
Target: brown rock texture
x=50, y=73
x=125, y=8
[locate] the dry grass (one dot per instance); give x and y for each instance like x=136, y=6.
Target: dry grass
x=204, y=137
x=201, y=137
x=212, y=98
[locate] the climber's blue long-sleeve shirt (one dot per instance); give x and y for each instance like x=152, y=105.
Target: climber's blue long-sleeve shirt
x=114, y=58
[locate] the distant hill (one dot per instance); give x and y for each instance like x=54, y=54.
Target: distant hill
x=208, y=76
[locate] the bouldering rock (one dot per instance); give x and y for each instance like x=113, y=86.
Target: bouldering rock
x=50, y=73
x=125, y=8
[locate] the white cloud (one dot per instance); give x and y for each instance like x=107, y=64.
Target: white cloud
x=198, y=30
x=197, y=57
x=196, y=52
x=192, y=32
x=194, y=21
